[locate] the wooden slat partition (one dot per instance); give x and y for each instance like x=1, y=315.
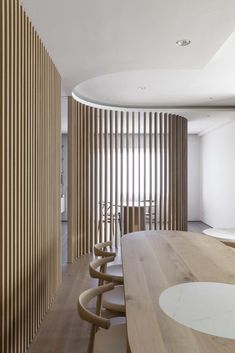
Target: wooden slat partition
x=30, y=264
x=138, y=179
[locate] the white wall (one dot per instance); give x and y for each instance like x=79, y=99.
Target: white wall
x=193, y=177
x=64, y=166
x=218, y=177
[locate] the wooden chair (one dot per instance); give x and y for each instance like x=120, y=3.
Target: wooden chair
x=105, y=250
x=108, y=213
x=114, y=299
x=105, y=338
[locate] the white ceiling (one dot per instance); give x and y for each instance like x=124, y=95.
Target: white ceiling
x=87, y=39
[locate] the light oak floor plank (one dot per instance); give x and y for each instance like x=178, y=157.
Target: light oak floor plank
x=62, y=331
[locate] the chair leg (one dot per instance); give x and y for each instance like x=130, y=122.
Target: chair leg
x=91, y=340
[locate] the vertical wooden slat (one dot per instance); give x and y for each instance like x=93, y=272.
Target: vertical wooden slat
x=75, y=184
x=82, y=137
x=15, y=171
x=122, y=167
x=11, y=192
x=160, y=170
x=37, y=210
x=96, y=205
x=170, y=172
x=2, y=112
x=19, y=183
x=80, y=196
x=26, y=184
x=156, y=169
x=88, y=208
x=177, y=173
x=91, y=153
x=139, y=170
x=133, y=170
x=105, y=174
x=78, y=179
x=101, y=176
x=127, y=171
x=165, y=171
x=180, y=155
x=185, y=172
x=116, y=179
x=150, y=171
x=7, y=178
x=111, y=152
x=174, y=171
x=145, y=170
x=70, y=180
x=85, y=237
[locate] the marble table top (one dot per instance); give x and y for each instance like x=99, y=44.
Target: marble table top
x=221, y=233
x=207, y=307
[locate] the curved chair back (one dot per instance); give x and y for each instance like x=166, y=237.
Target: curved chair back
x=97, y=270
x=95, y=319
x=100, y=249
x=84, y=300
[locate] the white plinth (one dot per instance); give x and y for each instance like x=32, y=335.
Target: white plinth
x=220, y=233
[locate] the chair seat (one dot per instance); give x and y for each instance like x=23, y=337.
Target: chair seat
x=115, y=270
x=113, y=340
x=114, y=300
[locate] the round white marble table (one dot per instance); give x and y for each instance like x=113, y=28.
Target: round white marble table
x=207, y=307
x=222, y=234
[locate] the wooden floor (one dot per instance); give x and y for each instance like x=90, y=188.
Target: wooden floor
x=62, y=331
x=197, y=227
x=64, y=242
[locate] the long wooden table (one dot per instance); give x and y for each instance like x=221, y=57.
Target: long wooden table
x=152, y=262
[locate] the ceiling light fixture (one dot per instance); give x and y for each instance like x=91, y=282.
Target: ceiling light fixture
x=183, y=42
x=141, y=88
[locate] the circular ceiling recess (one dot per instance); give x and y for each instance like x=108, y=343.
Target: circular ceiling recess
x=207, y=307
x=146, y=89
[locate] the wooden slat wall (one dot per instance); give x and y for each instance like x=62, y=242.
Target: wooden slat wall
x=30, y=269
x=154, y=145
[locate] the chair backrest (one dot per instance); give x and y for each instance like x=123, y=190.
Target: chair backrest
x=87, y=314
x=95, y=319
x=97, y=270
x=100, y=249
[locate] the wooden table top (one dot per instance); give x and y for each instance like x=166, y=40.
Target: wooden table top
x=156, y=260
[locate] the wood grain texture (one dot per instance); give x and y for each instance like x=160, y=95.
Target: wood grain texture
x=140, y=161
x=62, y=330
x=29, y=179
x=147, y=264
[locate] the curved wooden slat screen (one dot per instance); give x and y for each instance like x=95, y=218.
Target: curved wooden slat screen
x=137, y=176
x=29, y=179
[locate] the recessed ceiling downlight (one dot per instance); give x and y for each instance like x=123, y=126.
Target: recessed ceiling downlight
x=141, y=88
x=183, y=42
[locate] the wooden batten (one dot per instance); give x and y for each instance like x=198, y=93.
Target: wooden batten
x=131, y=169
